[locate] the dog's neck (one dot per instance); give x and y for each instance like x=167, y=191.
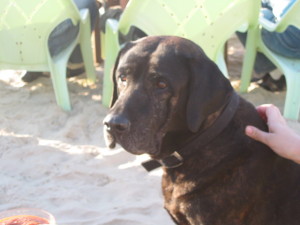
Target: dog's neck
x=213, y=126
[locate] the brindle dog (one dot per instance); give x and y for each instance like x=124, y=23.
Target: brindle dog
x=171, y=102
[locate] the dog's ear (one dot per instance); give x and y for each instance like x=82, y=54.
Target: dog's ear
x=124, y=49
x=209, y=89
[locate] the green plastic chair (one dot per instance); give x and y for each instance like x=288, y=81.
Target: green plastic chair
x=209, y=23
x=289, y=67
x=25, y=27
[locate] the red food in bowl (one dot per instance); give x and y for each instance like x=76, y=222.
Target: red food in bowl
x=23, y=220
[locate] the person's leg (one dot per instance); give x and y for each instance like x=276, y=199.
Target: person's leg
x=264, y=69
x=286, y=43
x=262, y=64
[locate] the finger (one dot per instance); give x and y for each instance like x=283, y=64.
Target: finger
x=274, y=115
x=257, y=134
x=263, y=108
x=262, y=111
x=263, y=116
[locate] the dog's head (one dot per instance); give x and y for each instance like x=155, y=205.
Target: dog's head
x=162, y=85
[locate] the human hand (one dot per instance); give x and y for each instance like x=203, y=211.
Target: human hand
x=280, y=138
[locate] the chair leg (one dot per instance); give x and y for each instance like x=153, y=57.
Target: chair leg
x=97, y=39
x=111, y=43
x=249, y=58
x=87, y=54
x=60, y=86
x=292, y=99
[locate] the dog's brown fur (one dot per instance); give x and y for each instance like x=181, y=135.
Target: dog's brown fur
x=165, y=91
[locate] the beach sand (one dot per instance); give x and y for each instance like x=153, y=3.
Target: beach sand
x=58, y=161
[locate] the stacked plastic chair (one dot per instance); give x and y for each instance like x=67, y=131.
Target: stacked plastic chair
x=289, y=67
x=25, y=27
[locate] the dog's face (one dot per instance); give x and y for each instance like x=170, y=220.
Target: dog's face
x=161, y=85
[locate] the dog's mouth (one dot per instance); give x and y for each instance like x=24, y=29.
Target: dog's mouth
x=142, y=135
x=135, y=144
x=110, y=140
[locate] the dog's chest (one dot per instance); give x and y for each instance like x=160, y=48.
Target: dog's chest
x=198, y=201
x=178, y=202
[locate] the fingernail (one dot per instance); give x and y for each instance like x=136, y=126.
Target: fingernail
x=249, y=130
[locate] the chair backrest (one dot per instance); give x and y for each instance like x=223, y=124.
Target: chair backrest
x=25, y=27
x=209, y=23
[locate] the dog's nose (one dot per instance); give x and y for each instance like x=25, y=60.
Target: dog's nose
x=117, y=123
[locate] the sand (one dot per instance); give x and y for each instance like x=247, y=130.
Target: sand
x=58, y=161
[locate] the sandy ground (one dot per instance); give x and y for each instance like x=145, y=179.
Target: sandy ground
x=58, y=161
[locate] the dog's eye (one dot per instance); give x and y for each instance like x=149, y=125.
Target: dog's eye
x=123, y=78
x=161, y=84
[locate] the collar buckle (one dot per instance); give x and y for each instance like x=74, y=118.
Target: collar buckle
x=172, y=161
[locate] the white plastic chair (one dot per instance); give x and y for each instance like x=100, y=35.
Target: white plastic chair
x=25, y=27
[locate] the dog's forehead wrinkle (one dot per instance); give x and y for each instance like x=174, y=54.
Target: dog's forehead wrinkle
x=152, y=52
x=164, y=66
x=132, y=57
x=130, y=64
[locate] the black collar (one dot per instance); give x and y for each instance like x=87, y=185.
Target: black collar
x=176, y=159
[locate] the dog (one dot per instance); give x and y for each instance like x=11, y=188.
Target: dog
x=172, y=102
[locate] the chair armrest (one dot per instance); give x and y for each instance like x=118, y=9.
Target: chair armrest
x=267, y=24
x=112, y=25
x=111, y=38
x=286, y=19
x=84, y=15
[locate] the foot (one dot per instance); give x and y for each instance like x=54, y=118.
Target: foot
x=31, y=76
x=75, y=72
x=269, y=84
